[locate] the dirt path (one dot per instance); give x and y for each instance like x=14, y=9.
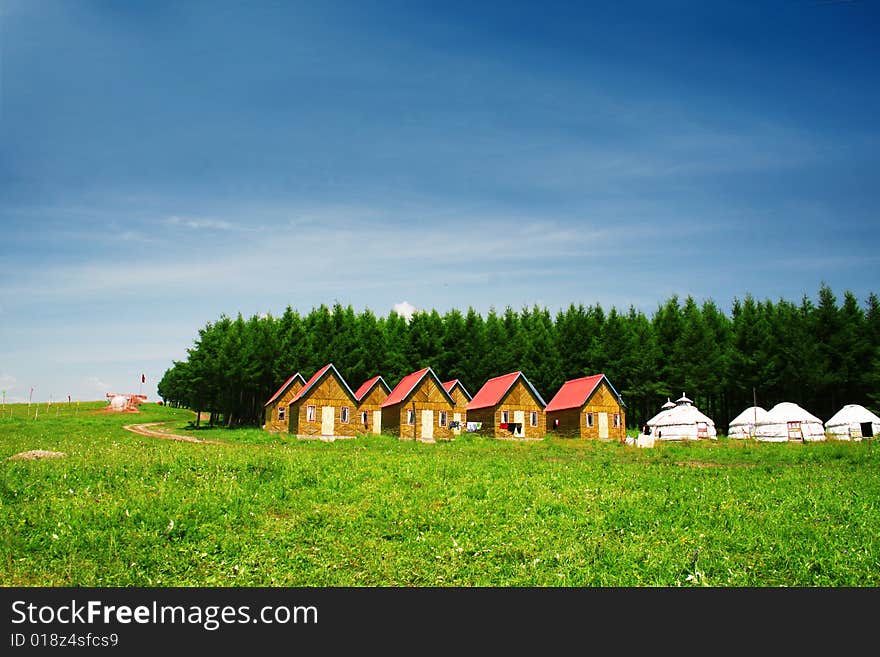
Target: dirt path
x=154, y=430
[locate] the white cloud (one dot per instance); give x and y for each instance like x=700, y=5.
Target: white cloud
x=405, y=309
x=209, y=224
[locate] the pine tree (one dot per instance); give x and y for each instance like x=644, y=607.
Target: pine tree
x=452, y=363
x=319, y=327
x=396, y=330
x=473, y=356
x=293, y=345
x=539, y=359
x=496, y=341
x=642, y=392
x=573, y=341
x=370, y=350
x=749, y=359
x=826, y=326
x=668, y=328
x=717, y=362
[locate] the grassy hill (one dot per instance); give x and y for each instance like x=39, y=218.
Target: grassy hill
x=255, y=509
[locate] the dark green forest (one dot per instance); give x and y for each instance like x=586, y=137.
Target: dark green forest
x=820, y=353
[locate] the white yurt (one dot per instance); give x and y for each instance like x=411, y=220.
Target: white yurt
x=743, y=425
x=681, y=421
x=788, y=421
x=118, y=402
x=853, y=422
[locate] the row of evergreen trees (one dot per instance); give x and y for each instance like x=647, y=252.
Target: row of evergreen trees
x=820, y=355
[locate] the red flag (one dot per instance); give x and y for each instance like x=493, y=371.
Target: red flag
x=143, y=378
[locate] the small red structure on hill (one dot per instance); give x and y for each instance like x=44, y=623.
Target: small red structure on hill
x=120, y=402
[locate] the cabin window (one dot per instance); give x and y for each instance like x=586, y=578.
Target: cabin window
x=281, y=412
x=410, y=416
x=364, y=418
x=504, y=416
x=589, y=419
x=442, y=419
x=617, y=420
x=310, y=413
x=344, y=414
x=533, y=419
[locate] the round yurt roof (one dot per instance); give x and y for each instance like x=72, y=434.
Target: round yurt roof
x=668, y=404
x=684, y=400
x=653, y=420
x=681, y=414
x=749, y=416
x=788, y=412
x=852, y=413
x=118, y=401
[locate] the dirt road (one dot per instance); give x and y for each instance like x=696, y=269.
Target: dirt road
x=156, y=430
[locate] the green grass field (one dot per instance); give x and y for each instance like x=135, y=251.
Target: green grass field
x=267, y=510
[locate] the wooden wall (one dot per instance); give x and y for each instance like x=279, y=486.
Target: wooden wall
x=372, y=402
x=461, y=402
x=329, y=392
x=569, y=423
x=272, y=423
x=427, y=395
x=573, y=423
x=518, y=398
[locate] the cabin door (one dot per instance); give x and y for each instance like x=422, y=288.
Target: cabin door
x=794, y=431
x=519, y=418
x=456, y=417
x=427, y=425
x=603, y=426
x=327, y=415
x=377, y=422
x=866, y=429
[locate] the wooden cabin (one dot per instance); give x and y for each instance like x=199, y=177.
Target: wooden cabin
x=275, y=411
x=507, y=406
x=325, y=407
x=588, y=407
x=370, y=396
x=459, y=393
x=419, y=407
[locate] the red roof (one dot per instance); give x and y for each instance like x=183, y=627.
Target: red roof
x=576, y=392
x=316, y=377
x=402, y=389
x=367, y=385
x=450, y=385
x=493, y=391
x=284, y=387
x=408, y=383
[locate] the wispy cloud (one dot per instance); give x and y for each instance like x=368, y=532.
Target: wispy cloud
x=813, y=262
x=197, y=223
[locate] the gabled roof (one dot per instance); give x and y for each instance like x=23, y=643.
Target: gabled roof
x=449, y=386
x=285, y=386
x=368, y=385
x=493, y=391
x=576, y=392
x=407, y=385
x=317, y=377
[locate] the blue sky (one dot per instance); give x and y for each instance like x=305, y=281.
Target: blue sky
x=162, y=163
